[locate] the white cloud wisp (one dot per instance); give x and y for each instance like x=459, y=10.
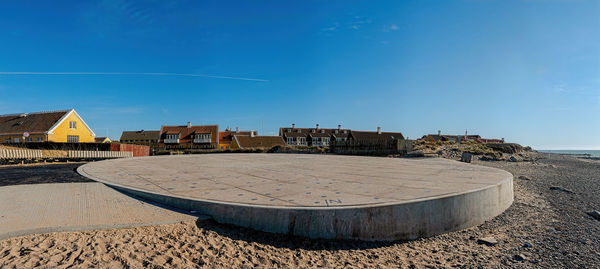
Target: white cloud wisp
x=132, y=74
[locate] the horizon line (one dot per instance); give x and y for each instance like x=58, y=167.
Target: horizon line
x=135, y=74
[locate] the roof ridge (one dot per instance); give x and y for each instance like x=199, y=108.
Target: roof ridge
x=33, y=113
x=190, y=127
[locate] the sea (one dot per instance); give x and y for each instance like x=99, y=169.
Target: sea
x=592, y=153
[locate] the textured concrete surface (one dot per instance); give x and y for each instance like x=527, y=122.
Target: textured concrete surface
x=322, y=196
x=42, y=208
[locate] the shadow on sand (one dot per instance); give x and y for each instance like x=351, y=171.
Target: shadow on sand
x=275, y=240
x=287, y=241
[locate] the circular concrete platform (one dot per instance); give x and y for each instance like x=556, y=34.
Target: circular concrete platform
x=318, y=196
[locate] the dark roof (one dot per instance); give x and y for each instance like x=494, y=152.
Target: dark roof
x=300, y=132
x=246, y=141
x=341, y=134
x=140, y=135
x=185, y=132
x=309, y=130
x=101, y=139
x=319, y=134
x=294, y=134
x=374, y=136
x=39, y=122
x=227, y=136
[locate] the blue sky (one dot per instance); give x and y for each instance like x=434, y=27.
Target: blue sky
x=527, y=71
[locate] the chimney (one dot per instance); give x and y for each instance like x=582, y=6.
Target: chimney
x=189, y=124
x=317, y=126
x=339, y=126
x=251, y=133
x=237, y=129
x=378, y=130
x=293, y=125
x=439, y=132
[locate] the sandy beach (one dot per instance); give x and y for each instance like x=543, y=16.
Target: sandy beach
x=547, y=226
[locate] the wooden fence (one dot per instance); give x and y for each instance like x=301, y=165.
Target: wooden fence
x=85, y=154
x=20, y=154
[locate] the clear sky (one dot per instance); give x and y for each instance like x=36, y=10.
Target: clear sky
x=527, y=71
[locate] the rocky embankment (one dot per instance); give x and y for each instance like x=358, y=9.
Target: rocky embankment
x=483, y=151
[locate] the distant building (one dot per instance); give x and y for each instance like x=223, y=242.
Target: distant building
x=140, y=137
x=52, y=126
x=226, y=137
x=102, y=140
x=251, y=141
x=189, y=136
x=459, y=138
x=319, y=137
x=492, y=140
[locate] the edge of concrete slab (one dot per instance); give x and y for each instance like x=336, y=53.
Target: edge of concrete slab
x=40, y=226
x=45, y=230
x=405, y=220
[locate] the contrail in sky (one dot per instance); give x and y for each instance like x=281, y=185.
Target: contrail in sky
x=131, y=74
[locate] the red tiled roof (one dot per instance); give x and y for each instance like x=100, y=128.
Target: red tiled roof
x=185, y=133
x=34, y=123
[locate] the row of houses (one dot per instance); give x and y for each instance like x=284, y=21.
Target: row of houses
x=209, y=137
x=324, y=137
x=200, y=137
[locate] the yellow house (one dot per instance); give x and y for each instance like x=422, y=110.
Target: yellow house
x=51, y=126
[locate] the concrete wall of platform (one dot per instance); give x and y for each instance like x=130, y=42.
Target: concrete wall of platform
x=401, y=221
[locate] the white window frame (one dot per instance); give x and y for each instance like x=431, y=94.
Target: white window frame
x=72, y=125
x=72, y=139
x=301, y=141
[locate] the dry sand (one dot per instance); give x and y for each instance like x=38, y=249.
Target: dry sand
x=544, y=228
